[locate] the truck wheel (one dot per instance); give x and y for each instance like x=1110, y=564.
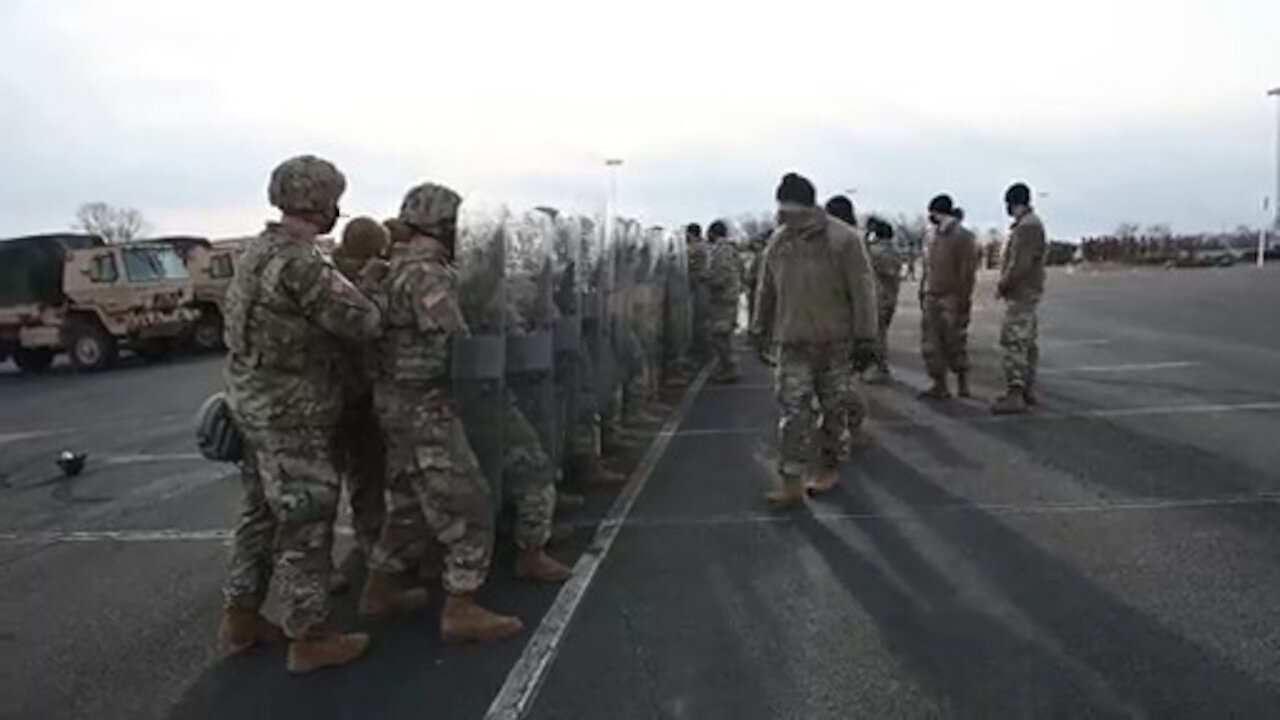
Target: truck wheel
x=33, y=360
x=208, y=333
x=91, y=347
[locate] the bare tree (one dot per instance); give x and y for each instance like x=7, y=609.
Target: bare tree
x=112, y=224
x=1127, y=229
x=1159, y=230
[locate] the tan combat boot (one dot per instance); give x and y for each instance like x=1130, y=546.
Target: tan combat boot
x=312, y=654
x=878, y=375
x=463, y=620
x=598, y=475
x=825, y=480
x=383, y=598
x=538, y=566
x=243, y=626
x=787, y=493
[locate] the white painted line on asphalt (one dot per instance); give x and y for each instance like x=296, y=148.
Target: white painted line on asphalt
x=53, y=537
x=1147, y=411
x=18, y=436
x=144, y=458
x=1262, y=498
x=525, y=679
x=1129, y=367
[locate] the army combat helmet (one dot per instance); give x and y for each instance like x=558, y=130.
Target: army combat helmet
x=306, y=185
x=216, y=433
x=431, y=209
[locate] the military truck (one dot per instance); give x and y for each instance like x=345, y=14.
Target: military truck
x=76, y=294
x=210, y=265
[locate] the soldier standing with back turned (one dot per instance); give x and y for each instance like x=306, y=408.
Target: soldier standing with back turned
x=946, y=292
x=289, y=313
x=816, y=301
x=1021, y=286
x=888, y=267
x=724, y=288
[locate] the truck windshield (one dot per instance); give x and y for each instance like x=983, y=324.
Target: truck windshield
x=150, y=264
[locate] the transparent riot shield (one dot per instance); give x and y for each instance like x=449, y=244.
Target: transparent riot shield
x=479, y=361
x=649, y=324
x=567, y=334
x=607, y=371
x=678, y=307
x=626, y=341
x=531, y=319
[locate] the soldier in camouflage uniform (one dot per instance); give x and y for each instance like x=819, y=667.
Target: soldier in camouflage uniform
x=888, y=267
x=1021, y=287
x=946, y=294
x=289, y=315
x=699, y=256
x=724, y=288
x=249, y=568
x=359, y=450
x=429, y=460
x=817, y=303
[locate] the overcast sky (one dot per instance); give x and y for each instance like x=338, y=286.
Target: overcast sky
x=1120, y=110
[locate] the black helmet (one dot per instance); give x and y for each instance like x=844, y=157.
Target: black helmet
x=216, y=432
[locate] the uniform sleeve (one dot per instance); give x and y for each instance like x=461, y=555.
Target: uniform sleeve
x=969, y=267
x=861, y=282
x=329, y=300
x=1026, y=245
x=766, y=298
x=435, y=303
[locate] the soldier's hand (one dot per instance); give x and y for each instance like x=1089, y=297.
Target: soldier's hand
x=865, y=353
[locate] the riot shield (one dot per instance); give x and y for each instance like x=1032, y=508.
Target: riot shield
x=678, y=306
x=626, y=342
x=649, y=325
x=479, y=360
x=567, y=334
x=531, y=319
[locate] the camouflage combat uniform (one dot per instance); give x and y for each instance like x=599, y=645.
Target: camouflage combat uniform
x=430, y=463
x=1022, y=285
x=699, y=260
x=946, y=294
x=359, y=449
x=528, y=479
x=252, y=543
x=287, y=312
x=888, y=266
x=724, y=288
x=816, y=300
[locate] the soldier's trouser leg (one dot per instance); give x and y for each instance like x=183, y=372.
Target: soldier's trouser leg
x=252, y=544
x=302, y=488
x=794, y=391
x=530, y=480
x=404, y=536
x=839, y=400
x=943, y=339
x=958, y=312
x=429, y=453
x=722, y=344
x=364, y=471
x=886, y=307
x=1018, y=338
x=932, y=328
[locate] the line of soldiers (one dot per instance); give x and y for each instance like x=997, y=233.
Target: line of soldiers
x=826, y=297
x=435, y=370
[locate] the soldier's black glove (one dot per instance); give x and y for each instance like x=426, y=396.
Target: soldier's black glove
x=864, y=354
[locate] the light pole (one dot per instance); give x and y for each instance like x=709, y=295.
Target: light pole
x=611, y=207
x=1275, y=198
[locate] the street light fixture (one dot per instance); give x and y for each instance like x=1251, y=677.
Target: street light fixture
x=611, y=207
x=1275, y=198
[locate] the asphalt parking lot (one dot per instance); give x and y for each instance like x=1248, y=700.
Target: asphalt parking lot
x=1110, y=555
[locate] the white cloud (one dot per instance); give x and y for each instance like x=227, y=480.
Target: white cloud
x=705, y=99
